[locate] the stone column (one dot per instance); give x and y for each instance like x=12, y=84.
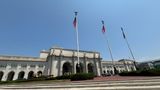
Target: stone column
x=60, y=64
x=85, y=66
x=4, y=76
x=100, y=64
x=134, y=65
x=51, y=63
x=5, y=73
x=95, y=65
x=113, y=70
x=126, y=66
x=15, y=75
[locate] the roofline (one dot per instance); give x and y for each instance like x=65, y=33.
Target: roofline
x=75, y=50
x=20, y=58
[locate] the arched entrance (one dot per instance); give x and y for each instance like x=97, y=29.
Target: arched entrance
x=111, y=72
x=132, y=69
x=115, y=71
x=67, y=68
x=90, y=68
x=30, y=75
x=79, y=68
x=108, y=72
x=104, y=72
x=39, y=73
x=1, y=75
x=21, y=75
x=10, y=76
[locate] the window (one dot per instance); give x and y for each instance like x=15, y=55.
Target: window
x=109, y=66
x=40, y=65
x=24, y=65
x=32, y=66
x=13, y=65
x=3, y=66
x=121, y=67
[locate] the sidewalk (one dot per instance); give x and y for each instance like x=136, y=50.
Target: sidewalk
x=98, y=83
x=123, y=78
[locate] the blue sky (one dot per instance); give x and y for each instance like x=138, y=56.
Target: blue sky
x=29, y=26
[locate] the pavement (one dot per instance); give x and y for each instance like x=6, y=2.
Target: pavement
x=99, y=83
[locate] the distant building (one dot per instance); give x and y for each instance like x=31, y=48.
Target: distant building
x=150, y=64
x=145, y=65
x=119, y=66
x=156, y=63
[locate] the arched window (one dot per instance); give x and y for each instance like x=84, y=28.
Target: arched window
x=132, y=69
x=111, y=72
x=21, y=75
x=79, y=68
x=104, y=72
x=90, y=68
x=67, y=68
x=1, y=75
x=10, y=76
x=108, y=72
x=30, y=75
x=115, y=70
x=39, y=73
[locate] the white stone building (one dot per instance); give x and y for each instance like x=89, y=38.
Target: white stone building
x=17, y=67
x=109, y=67
x=57, y=62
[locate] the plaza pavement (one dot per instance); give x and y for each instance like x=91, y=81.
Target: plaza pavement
x=99, y=83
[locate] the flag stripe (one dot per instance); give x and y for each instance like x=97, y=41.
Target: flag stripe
x=103, y=29
x=75, y=22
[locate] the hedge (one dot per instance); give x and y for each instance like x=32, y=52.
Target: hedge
x=78, y=76
x=150, y=72
x=63, y=77
x=82, y=76
x=72, y=77
x=43, y=78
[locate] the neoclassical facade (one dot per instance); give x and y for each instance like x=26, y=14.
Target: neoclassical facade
x=109, y=67
x=64, y=61
x=57, y=62
x=17, y=67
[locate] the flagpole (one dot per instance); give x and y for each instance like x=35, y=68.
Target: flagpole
x=77, y=37
x=129, y=46
x=109, y=48
x=131, y=53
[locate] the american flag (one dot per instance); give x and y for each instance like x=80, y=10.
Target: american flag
x=103, y=28
x=75, y=20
